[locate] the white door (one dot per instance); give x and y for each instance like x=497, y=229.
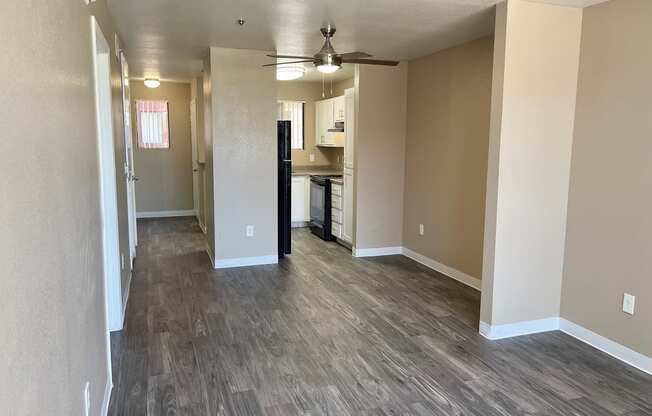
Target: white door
x=130, y=174
x=195, y=163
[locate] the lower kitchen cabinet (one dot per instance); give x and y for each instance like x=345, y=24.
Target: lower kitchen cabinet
x=300, y=200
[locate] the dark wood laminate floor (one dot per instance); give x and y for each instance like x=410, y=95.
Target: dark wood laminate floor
x=326, y=334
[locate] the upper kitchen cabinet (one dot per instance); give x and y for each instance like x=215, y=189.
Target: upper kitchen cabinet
x=324, y=121
x=339, y=112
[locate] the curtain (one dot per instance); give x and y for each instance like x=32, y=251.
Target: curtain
x=153, y=130
x=293, y=111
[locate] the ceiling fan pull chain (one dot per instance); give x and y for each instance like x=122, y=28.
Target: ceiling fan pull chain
x=323, y=93
x=331, y=86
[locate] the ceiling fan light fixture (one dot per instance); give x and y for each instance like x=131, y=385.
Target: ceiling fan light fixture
x=152, y=83
x=289, y=72
x=327, y=68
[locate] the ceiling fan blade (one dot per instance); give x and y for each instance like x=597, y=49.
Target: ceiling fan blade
x=290, y=57
x=354, y=55
x=293, y=62
x=370, y=62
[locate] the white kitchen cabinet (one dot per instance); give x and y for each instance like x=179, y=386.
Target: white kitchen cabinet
x=347, y=225
x=324, y=121
x=339, y=112
x=349, y=127
x=327, y=113
x=300, y=200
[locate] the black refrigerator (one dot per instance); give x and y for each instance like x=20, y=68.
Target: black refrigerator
x=284, y=188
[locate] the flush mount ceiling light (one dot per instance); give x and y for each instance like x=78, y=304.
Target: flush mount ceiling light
x=152, y=83
x=289, y=72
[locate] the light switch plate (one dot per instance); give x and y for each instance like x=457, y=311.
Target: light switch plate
x=422, y=230
x=629, y=303
x=250, y=230
x=312, y=157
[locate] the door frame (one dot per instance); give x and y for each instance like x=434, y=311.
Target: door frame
x=107, y=182
x=130, y=172
x=195, y=159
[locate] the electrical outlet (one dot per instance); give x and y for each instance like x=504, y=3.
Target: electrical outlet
x=421, y=229
x=250, y=231
x=629, y=302
x=87, y=399
x=312, y=157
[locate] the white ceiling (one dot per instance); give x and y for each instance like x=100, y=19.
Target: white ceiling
x=168, y=38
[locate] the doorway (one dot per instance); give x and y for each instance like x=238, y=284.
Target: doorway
x=107, y=180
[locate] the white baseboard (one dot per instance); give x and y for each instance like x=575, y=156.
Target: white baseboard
x=167, y=214
x=107, y=397
x=621, y=352
x=460, y=276
x=245, y=261
x=517, y=329
x=374, y=252
x=202, y=226
x=618, y=351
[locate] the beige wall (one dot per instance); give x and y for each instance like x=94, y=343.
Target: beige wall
x=308, y=92
x=340, y=86
x=493, y=153
x=449, y=102
x=53, y=318
x=609, y=241
x=165, y=175
x=532, y=161
x=244, y=153
x=381, y=104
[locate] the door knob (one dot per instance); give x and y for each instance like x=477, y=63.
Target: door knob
x=134, y=178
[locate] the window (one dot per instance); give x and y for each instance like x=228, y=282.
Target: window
x=153, y=129
x=293, y=111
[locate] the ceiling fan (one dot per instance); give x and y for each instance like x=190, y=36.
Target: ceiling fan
x=327, y=60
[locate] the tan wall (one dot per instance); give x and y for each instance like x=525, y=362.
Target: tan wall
x=449, y=102
x=340, y=86
x=609, y=241
x=308, y=92
x=244, y=153
x=381, y=103
x=533, y=163
x=53, y=318
x=165, y=175
x=493, y=154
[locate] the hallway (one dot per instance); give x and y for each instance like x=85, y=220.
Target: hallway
x=324, y=333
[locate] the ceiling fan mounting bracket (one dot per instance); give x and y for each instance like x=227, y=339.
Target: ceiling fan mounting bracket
x=328, y=31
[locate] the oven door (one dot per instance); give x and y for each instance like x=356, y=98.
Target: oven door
x=317, y=202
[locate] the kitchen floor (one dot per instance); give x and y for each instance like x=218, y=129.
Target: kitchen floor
x=324, y=333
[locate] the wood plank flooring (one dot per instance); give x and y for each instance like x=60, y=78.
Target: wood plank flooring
x=323, y=333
